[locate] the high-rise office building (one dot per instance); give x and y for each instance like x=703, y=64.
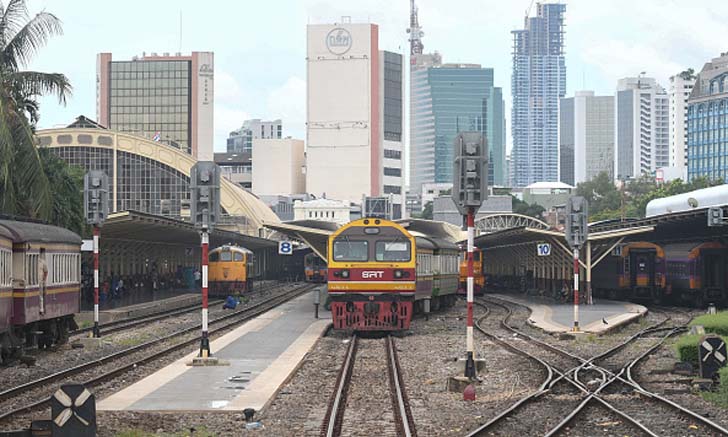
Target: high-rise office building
x=537, y=84
x=707, y=120
x=354, y=129
x=241, y=140
x=586, y=137
x=681, y=85
x=641, y=132
x=447, y=99
x=163, y=98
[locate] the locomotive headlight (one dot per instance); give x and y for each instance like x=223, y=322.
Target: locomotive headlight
x=398, y=274
x=345, y=274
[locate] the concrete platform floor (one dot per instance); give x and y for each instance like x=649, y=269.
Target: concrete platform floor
x=152, y=304
x=262, y=354
x=559, y=317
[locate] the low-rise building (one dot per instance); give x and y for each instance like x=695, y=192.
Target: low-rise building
x=547, y=194
x=322, y=209
x=236, y=167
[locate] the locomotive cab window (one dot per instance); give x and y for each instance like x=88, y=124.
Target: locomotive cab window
x=238, y=256
x=348, y=250
x=215, y=257
x=226, y=256
x=393, y=250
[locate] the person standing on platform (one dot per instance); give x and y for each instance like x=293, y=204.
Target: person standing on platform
x=198, y=278
x=42, y=277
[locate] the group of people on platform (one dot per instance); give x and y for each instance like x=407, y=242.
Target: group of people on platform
x=116, y=287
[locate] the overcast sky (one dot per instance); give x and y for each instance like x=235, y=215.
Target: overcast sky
x=260, y=46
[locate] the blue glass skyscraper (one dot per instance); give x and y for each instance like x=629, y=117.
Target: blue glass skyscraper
x=447, y=99
x=537, y=84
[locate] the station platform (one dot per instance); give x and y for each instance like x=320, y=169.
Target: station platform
x=261, y=355
x=555, y=317
x=153, y=303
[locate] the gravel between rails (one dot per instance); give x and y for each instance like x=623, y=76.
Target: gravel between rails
x=597, y=421
x=368, y=403
x=104, y=389
x=64, y=356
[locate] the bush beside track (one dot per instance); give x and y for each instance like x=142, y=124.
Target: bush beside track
x=713, y=323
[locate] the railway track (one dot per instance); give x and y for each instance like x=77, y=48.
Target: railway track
x=133, y=322
x=641, y=409
x=36, y=394
x=361, y=393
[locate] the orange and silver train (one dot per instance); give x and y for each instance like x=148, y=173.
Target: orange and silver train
x=478, y=273
x=379, y=275
x=314, y=268
x=230, y=270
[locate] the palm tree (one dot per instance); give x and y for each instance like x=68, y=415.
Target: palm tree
x=24, y=186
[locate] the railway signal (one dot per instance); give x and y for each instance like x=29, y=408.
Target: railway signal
x=715, y=216
x=712, y=353
x=470, y=189
x=576, y=233
x=96, y=209
x=205, y=211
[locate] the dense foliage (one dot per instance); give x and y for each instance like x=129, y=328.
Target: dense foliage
x=32, y=183
x=607, y=202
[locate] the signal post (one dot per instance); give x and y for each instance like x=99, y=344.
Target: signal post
x=205, y=210
x=470, y=189
x=96, y=208
x=577, y=233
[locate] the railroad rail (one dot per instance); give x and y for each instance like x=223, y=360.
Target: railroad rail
x=333, y=423
x=554, y=374
x=222, y=323
x=133, y=322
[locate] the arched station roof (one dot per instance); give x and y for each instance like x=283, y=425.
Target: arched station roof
x=236, y=201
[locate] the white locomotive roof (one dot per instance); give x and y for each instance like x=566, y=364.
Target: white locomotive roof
x=698, y=199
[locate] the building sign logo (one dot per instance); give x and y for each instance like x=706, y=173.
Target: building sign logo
x=207, y=73
x=338, y=41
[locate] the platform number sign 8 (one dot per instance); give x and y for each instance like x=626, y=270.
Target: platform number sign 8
x=285, y=248
x=543, y=249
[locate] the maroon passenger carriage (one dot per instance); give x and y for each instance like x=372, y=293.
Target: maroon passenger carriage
x=22, y=320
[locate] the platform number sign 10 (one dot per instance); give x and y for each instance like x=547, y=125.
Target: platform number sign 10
x=285, y=248
x=543, y=249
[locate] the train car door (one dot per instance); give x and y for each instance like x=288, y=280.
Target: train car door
x=713, y=269
x=642, y=268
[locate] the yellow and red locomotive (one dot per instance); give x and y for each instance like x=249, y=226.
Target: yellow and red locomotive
x=478, y=273
x=379, y=275
x=314, y=268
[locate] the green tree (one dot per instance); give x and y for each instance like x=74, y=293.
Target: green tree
x=601, y=194
x=521, y=207
x=67, y=183
x=427, y=212
x=25, y=187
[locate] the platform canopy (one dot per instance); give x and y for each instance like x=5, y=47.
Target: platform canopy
x=134, y=226
x=314, y=233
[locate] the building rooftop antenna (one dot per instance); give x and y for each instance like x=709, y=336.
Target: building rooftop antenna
x=415, y=31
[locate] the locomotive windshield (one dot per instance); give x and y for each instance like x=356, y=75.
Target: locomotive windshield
x=348, y=250
x=396, y=250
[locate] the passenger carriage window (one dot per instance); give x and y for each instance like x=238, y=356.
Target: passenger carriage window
x=393, y=250
x=238, y=256
x=215, y=257
x=348, y=250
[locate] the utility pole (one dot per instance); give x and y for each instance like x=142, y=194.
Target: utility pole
x=96, y=209
x=470, y=189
